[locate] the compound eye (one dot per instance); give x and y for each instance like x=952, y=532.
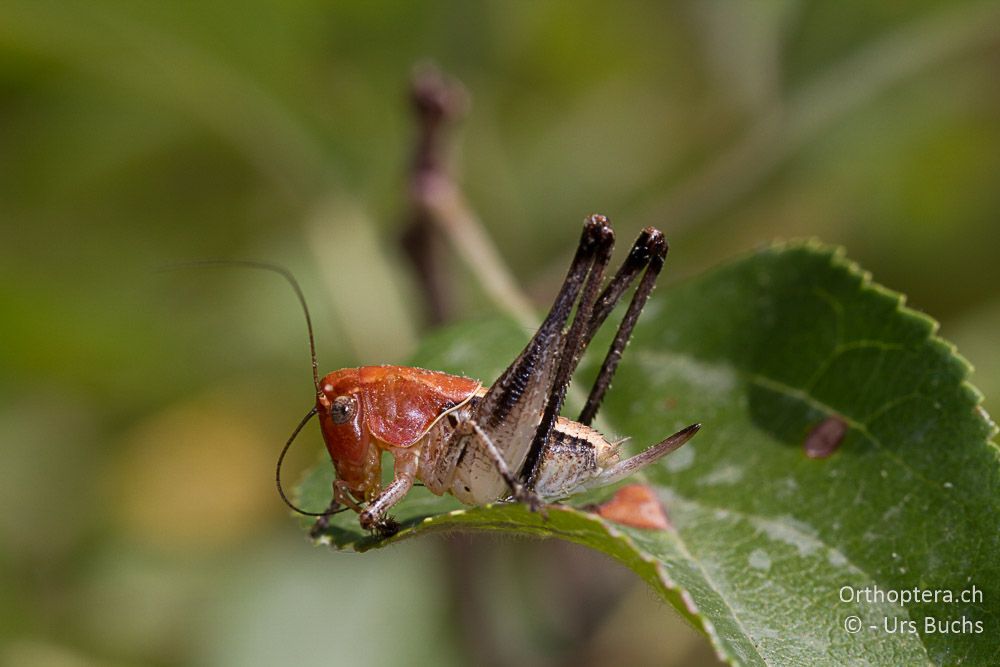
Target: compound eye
x=342, y=409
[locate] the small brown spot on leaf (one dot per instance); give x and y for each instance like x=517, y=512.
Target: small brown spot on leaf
x=635, y=505
x=824, y=439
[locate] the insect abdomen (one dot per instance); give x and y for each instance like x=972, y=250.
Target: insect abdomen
x=573, y=455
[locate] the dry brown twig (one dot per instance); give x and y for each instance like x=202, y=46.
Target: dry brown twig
x=437, y=207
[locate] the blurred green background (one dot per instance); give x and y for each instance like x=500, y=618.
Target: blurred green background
x=141, y=412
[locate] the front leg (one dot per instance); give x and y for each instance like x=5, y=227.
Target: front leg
x=341, y=502
x=373, y=517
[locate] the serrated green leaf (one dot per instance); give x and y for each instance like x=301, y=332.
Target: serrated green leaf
x=763, y=538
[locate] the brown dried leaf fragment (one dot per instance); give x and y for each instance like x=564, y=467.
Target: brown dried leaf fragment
x=635, y=505
x=824, y=439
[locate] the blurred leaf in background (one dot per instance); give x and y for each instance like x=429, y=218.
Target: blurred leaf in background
x=136, y=134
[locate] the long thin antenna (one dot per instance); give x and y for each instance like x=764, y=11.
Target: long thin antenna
x=287, y=275
x=281, y=458
x=266, y=266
